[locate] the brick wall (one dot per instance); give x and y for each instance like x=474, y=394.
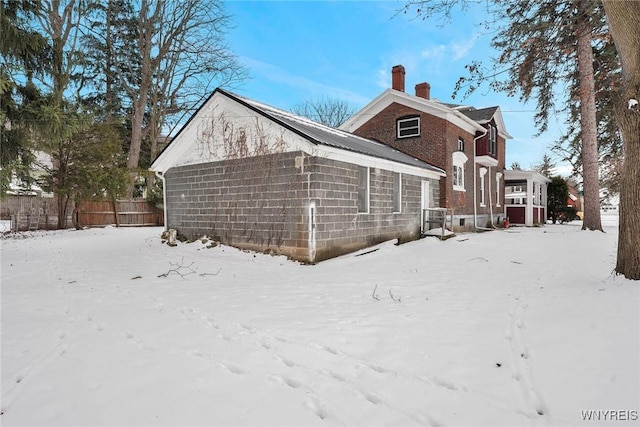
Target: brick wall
x=437, y=141
x=262, y=203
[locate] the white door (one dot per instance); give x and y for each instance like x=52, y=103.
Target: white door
x=424, y=204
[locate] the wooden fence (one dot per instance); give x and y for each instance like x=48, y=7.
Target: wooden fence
x=122, y=213
x=38, y=213
x=32, y=212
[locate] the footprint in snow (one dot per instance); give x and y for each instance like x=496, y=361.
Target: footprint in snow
x=286, y=361
x=315, y=406
x=372, y=398
x=281, y=379
x=234, y=369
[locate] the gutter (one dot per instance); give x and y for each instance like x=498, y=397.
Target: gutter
x=164, y=196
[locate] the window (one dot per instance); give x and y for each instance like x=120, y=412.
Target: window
x=493, y=140
x=498, y=179
x=460, y=144
x=397, y=191
x=363, y=189
x=458, y=176
x=459, y=159
x=483, y=172
x=408, y=127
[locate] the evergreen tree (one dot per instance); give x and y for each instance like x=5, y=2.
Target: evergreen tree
x=515, y=166
x=542, y=44
x=623, y=18
x=546, y=166
x=24, y=54
x=557, y=196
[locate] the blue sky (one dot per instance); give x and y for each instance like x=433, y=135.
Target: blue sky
x=309, y=50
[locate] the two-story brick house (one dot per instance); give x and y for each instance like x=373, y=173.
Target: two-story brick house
x=468, y=143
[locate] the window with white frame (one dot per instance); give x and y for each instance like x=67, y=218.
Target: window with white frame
x=397, y=192
x=483, y=172
x=498, y=179
x=460, y=144
x=458, y=176
x=458, y=160
x=408, y=127
x=363, y=189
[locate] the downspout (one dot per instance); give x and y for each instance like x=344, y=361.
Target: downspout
x=490, y=201
x=164, y=196
x=475, y=190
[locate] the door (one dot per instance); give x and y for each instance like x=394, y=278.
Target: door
x=424, y=204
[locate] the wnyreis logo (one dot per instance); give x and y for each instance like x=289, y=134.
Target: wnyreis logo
x=609, y=415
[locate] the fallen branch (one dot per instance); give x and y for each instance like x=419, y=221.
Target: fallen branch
x=373, y=294
x=212, y=274
x=394, y=299
x=180, y=269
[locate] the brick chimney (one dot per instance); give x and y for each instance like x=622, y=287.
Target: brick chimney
x=423, y=90
x=397, y=78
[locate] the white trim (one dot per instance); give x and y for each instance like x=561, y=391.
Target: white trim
x=459, y=159
x=372, y=162
x=408, y=119
x=498, y=178
x=483, y=172
x=399, y=192
x=424, y=201
x=428, y=106
x=367, y=208
x=186, y=150
x=312, y=230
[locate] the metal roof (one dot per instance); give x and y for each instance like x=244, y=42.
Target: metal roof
x=318, y=133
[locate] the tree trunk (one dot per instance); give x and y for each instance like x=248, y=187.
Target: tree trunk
x=628, y=260
x=588, y=122
x=140, y=103
x=623, y=18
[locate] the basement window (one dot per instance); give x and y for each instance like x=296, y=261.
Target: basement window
x=408, y=127
x=363, y=189
x=397, y=192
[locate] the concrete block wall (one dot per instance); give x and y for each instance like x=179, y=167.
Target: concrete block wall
x=341, y=229
x=262, y=204
x=254, y=203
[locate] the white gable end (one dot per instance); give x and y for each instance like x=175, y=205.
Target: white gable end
x=224, y=129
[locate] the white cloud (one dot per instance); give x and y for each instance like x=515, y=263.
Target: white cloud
x=454, y=50
x=461, y=49
x=276, y=74
x=436, y=52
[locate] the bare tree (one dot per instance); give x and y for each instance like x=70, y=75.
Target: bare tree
x=328, y=111
x=181, y=54
x=623, y=18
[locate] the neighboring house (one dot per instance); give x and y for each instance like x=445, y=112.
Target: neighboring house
x=526, y=197
x=259, y=178
x=575, y=199
x=468, y=143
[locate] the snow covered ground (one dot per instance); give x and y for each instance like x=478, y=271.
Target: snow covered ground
x=516, y=327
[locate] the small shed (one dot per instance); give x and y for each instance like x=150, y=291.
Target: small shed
x=256, y=177
x=525, y=197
